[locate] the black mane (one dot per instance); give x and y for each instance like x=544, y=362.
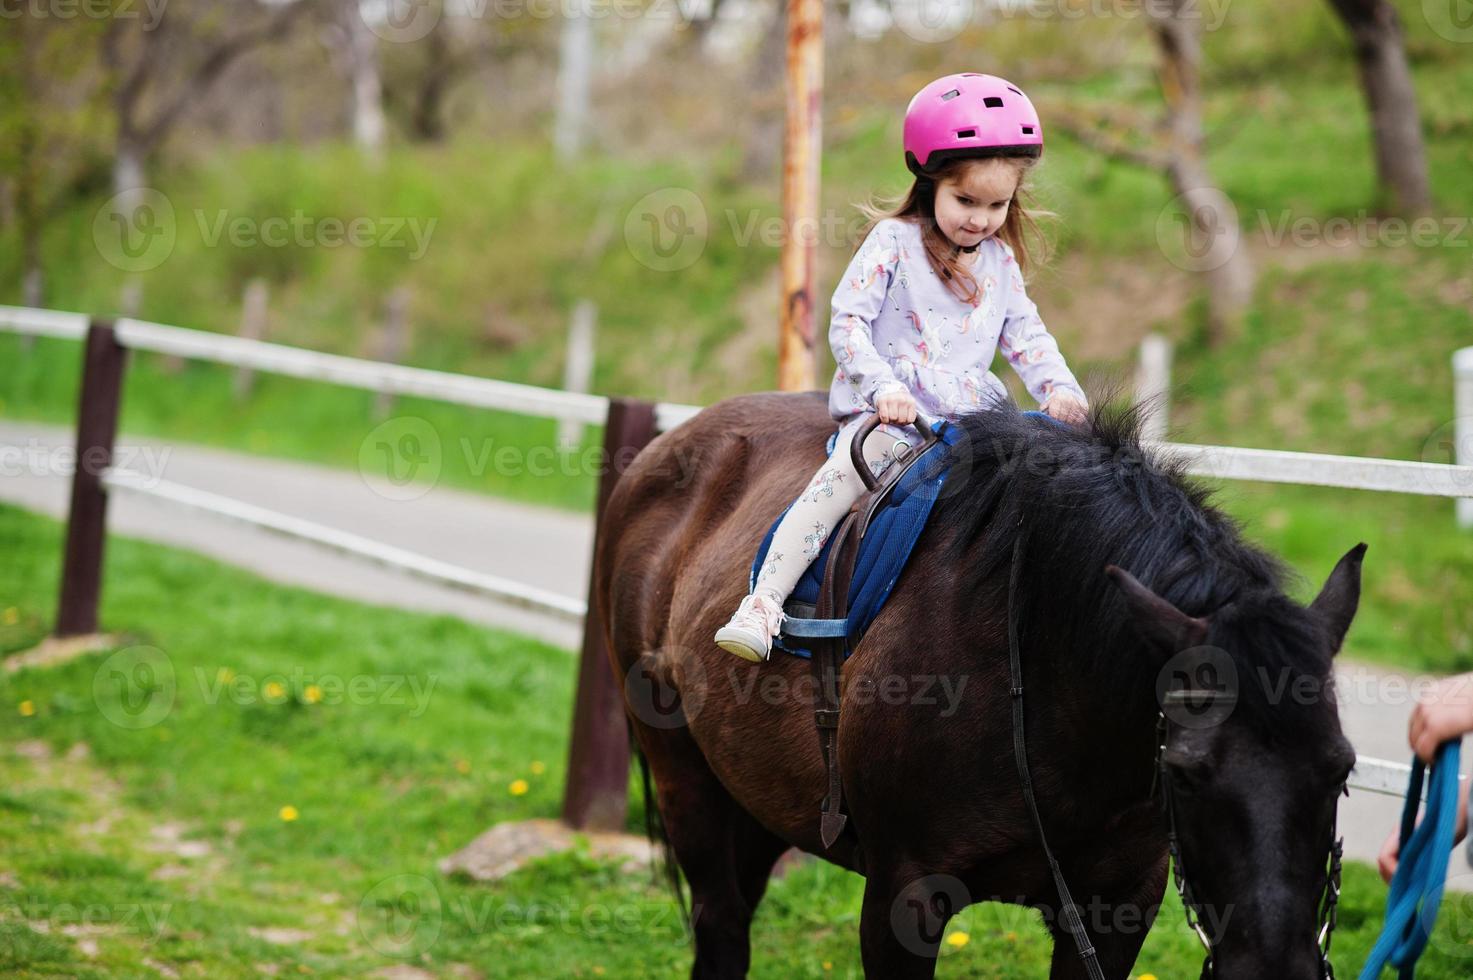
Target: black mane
x=1090, y=495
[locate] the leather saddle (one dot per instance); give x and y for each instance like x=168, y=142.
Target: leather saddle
x=829, y=630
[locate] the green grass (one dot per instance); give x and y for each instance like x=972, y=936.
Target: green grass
x=109, y=767
x=1344, y=352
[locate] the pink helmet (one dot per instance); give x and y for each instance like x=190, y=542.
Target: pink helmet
x=969, y=115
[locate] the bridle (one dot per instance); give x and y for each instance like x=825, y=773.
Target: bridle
x=1329, y=894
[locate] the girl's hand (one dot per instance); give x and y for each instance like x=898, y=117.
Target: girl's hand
x=897, y=408
x=1065, y=407
x=1446, y=712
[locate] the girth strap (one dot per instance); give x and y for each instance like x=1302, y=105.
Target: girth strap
x=827, y=660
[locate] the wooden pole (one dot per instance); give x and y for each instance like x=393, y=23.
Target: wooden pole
x=393, y=341
x=801, y=150
x=577, y=367
x=595, y=797
x=103, y=360
x=253, y=313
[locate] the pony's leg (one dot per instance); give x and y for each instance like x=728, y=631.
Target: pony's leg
x=902, y=921
x=1117, y=923
x=725, y=853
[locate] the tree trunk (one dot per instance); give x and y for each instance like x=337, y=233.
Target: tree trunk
x=1225, y=265
x=368, y=92
x=427, y=121
x=1386, y=78
x=760, y=151
x=128, y=171
x=575, y=70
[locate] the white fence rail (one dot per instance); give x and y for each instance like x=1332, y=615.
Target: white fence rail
x=1222, y=462
x=1383, y=777
x=343, y=542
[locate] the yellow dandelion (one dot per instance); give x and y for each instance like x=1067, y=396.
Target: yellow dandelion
x=598, y=971
x=957, y=940
x=1011, y=937
x=12, y=616
x=462, y=766
x=224, y=675
x=537, y=767
x=287, y=813
x=312, y=694
x=1147, y=976
x=274, y=689
x=517, y=787
x=828, y=965
x=27, y=709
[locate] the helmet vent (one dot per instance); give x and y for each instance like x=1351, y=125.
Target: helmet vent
x=992, y=102
x=1014, y=91
x=966, y=134
x=1027, y=130
x=954, y=93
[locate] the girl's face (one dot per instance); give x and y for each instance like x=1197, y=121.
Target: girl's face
x=972, y=204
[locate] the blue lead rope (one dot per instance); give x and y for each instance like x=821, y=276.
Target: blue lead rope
x=1421, y=870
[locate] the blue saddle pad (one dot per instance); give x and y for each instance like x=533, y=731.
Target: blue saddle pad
x=883, y=551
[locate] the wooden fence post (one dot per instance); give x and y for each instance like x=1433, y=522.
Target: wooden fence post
x=254, y=310
x=595, y=797
x=103, y=360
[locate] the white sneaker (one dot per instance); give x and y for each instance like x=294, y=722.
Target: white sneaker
x=749, y=633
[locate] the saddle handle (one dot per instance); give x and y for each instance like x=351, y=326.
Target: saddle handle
x=856, y=446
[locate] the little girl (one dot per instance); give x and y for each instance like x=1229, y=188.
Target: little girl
x=932, y=293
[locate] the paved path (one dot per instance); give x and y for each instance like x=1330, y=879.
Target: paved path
x=537, y=546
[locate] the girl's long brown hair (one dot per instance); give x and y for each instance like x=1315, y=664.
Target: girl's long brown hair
x=1019, y=230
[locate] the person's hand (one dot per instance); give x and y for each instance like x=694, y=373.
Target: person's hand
x=1391, y=847
x=897, y=407
x=1065, y=406
x=1445, y=712
x=1390, y=852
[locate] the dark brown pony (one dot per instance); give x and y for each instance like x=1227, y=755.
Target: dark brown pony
x=937, y=818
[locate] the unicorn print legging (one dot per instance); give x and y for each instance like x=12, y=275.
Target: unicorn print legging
x=823, y=504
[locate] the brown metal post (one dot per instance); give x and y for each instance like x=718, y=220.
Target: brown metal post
x=595, y=797
x=801, y=149
x=103, y=360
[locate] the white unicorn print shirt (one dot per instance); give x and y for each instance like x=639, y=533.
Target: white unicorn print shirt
x=896, y=325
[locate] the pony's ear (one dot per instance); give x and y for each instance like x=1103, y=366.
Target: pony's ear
x=1166, y=627
x=1338, y=600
